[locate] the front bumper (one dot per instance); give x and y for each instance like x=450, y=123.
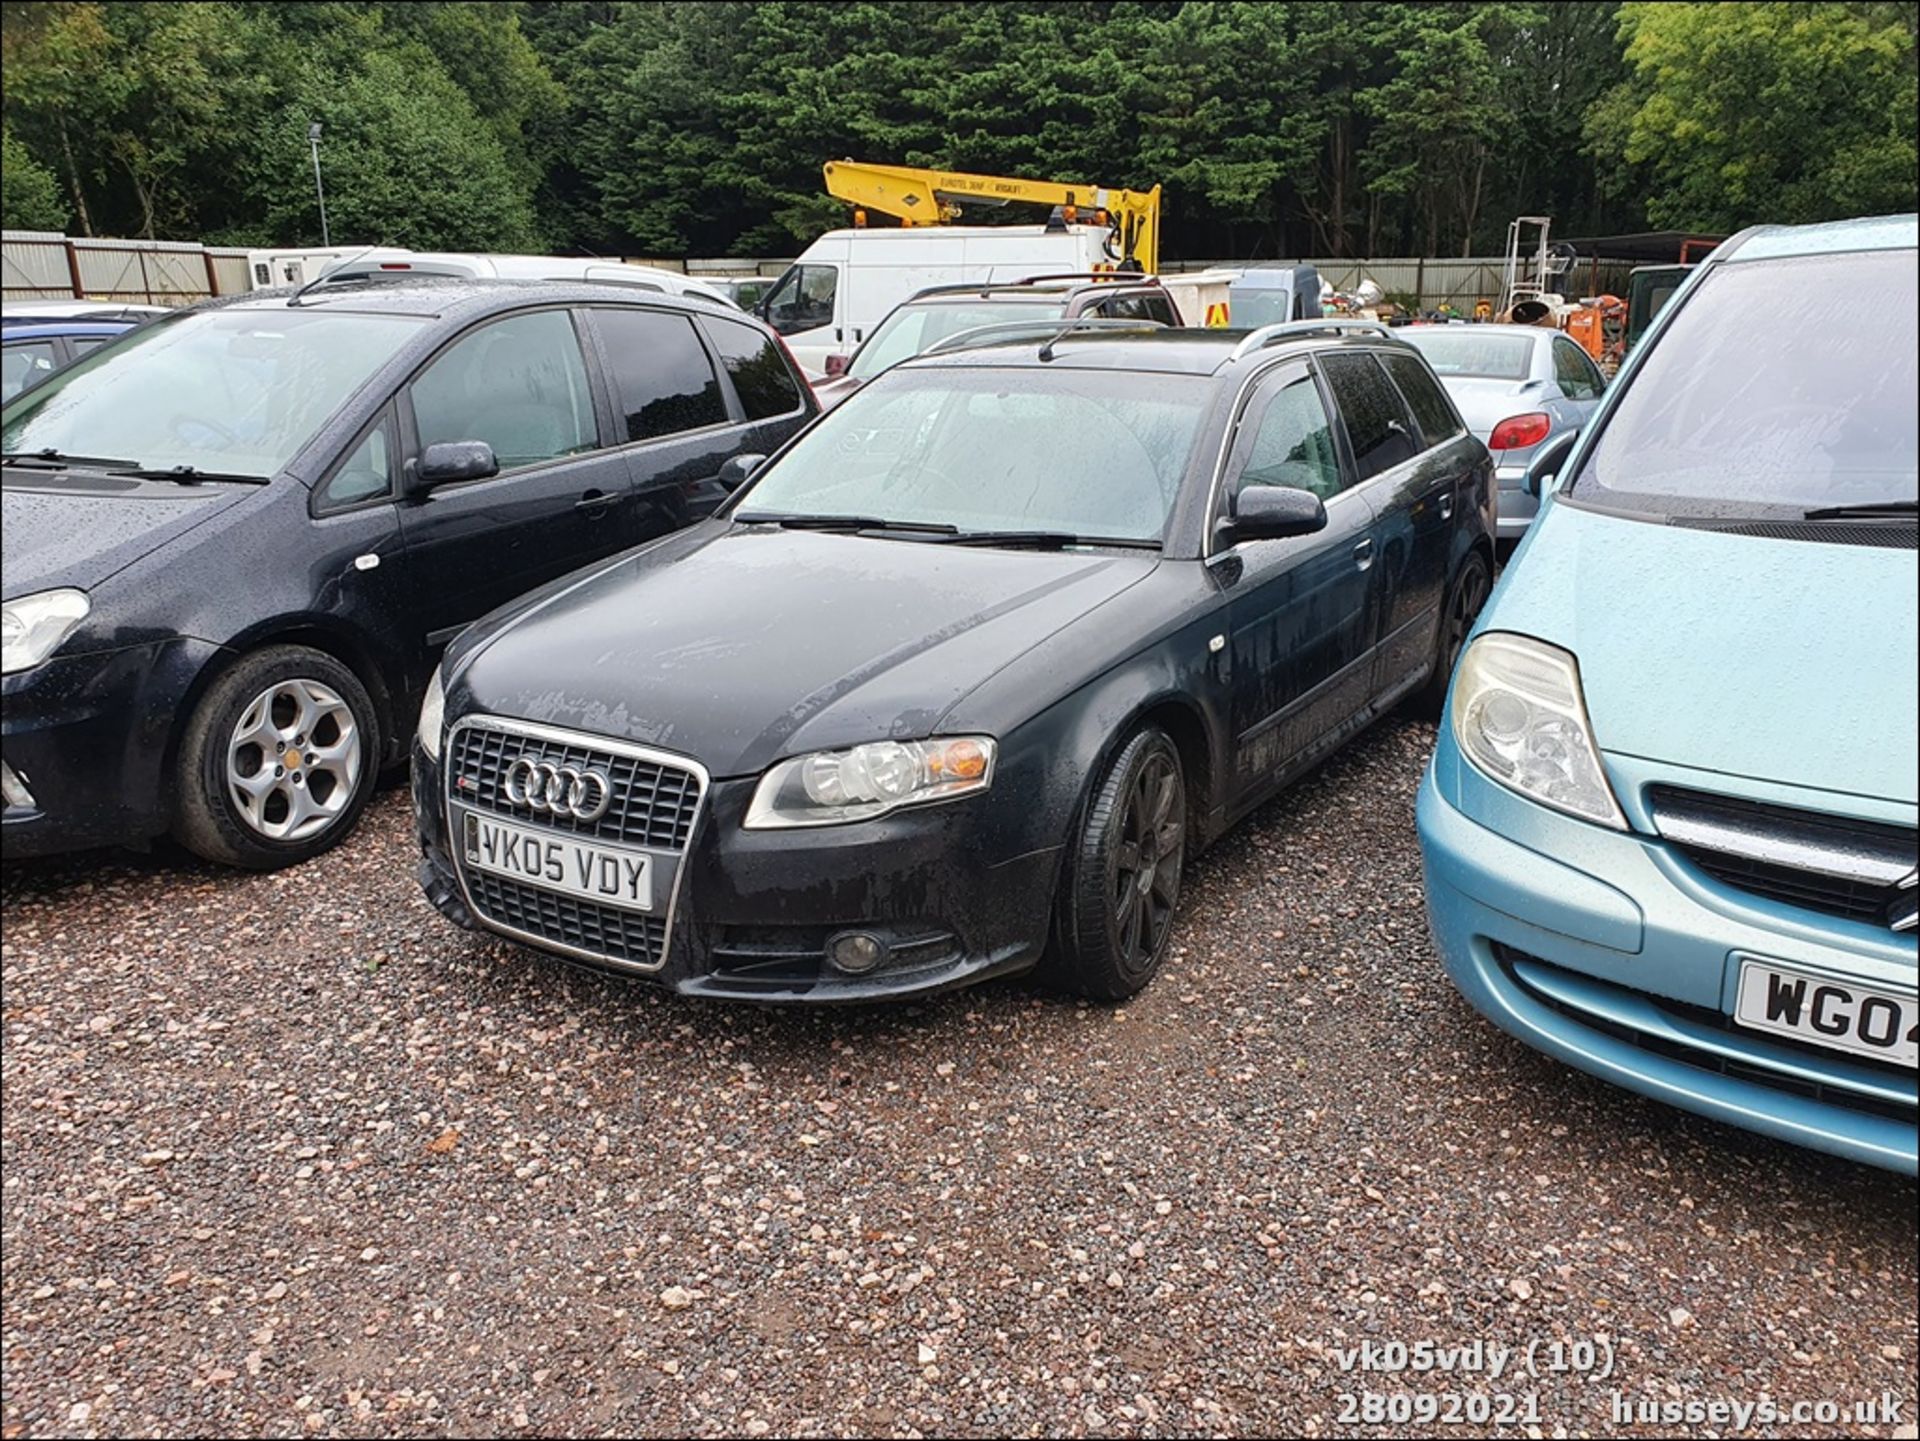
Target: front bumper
x=755, y=909
x=1606, y=950
x=89, y=738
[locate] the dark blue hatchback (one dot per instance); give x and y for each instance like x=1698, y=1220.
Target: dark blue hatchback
x=236, y=541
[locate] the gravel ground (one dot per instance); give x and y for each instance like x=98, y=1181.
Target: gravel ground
x=288, y=1155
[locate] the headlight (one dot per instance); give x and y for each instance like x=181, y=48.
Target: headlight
x=1519, y=716
x=829, y=787
x=433, y=713
x=34, y=625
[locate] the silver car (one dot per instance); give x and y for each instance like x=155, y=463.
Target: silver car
x=1517, y=387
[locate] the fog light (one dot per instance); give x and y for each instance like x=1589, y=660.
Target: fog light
x=13, y=789
x=856, y=952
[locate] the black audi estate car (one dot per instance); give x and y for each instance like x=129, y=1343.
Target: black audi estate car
x=237, y=539
x=956, y=683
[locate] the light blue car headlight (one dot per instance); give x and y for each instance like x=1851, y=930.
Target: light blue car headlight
x=1519, y=716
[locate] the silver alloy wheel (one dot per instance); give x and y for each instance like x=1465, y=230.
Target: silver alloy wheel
x=293, y=761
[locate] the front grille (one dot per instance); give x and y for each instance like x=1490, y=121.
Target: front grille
x=653, y=803
x=627, y=936
x=1825, y=863
x=1832, y=1094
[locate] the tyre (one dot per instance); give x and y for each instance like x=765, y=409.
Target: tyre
x=1122, y=881
x=278, y=760
x=1470, y=590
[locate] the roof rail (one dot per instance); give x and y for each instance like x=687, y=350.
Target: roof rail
x=1053, y=328
x=1267, y=334
x=1134, y=275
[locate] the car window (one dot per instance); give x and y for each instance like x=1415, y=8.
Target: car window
x=1490, y=352
x=803, y=299
x=761, y=376
x=236, y=390
x=1752, y=402
x=1578, y=379
x=1126, y=307
x=663, y=380
x=1379, y=426
x=1095, y=453
x=519, y=384
x=22, y=363
x=1428, y=401
x=1289, y=442
x=366, y=473
x=911, y=329
x=81, y=344
x=1160, y=308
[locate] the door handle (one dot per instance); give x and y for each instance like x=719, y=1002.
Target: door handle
x=1363, y=554
x=596, y=503
x=1446, y=506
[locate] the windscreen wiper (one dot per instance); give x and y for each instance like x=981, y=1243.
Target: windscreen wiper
x=1866, y=510
x=186, y=474
x=51, y=459
x=842, y=522
x=1047, y=540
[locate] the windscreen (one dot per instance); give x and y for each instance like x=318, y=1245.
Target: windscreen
x=229, y=391
x=1483, y=352
x=1763, y=399
x=1255, y=306
x=912, y=328
x=1088, y=453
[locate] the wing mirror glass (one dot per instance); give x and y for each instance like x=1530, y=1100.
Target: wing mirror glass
x=837, y=365
x=447, y=462
x=1272, y=512
x=737, y=470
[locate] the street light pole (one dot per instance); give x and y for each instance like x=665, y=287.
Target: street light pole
x=313, y=139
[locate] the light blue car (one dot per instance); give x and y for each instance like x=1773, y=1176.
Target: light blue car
x=1670, y=826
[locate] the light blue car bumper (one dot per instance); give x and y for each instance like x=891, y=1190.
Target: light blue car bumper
x=1604, y=949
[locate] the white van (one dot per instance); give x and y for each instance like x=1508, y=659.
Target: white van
x=847, y=281
x=270, y=269
x=392, y=261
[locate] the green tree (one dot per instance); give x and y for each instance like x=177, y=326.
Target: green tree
x=29, y=191
x=1443, y=116
x=1744, y=112
x=407, y=161
x=62, y=77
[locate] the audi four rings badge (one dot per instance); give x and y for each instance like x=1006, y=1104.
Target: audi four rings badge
x=555, y=790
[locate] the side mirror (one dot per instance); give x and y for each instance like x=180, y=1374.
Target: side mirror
x=837, y=365
x=1271, y=512
x=449, y=461
x=1543, y=471
x=737, y=470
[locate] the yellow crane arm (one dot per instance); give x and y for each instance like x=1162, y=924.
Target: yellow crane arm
x=935, y=197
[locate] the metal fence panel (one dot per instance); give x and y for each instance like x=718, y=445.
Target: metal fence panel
x=33, y=266
x=230, y=274
x=158, y=273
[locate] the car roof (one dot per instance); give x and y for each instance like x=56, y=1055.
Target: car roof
x=1771, y=242
x=432, y=297
x=35, y=327
x=1190, y=350
x=1272, y=277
